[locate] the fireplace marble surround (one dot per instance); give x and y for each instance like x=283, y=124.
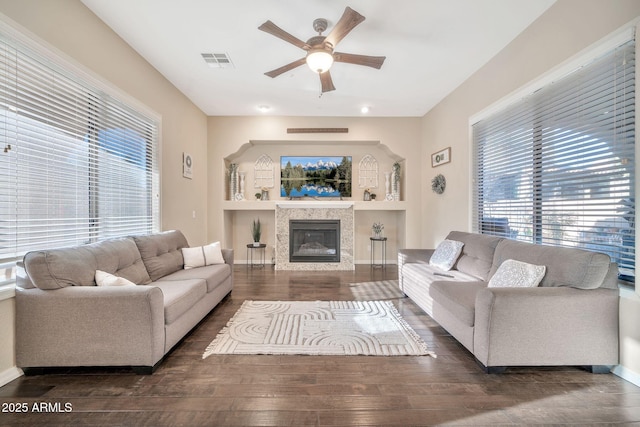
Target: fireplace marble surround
x=286, y=211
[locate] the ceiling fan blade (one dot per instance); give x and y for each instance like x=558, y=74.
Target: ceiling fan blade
x=285, y=68
x=350, y=58
x=350, y=18
x=273, y=29
x=327, y=83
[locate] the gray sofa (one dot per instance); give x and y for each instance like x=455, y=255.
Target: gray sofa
x=64, y=320
x=570, y=319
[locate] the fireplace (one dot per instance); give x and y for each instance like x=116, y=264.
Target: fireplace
x=314, y=240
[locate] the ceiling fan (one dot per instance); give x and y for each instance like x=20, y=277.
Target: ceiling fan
x=320, y=49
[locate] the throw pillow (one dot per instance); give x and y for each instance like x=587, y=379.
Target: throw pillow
x=107, y=279
x=202, y=255
x=446, y=254
x=517, y=274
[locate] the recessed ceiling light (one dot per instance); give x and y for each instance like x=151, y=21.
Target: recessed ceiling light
x=263, y=108
x=364, y=110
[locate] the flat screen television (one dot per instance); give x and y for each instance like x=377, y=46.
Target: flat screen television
x=315, y=176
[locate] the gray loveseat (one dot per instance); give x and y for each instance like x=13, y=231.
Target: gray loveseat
x=64, y=320
x=570, y=319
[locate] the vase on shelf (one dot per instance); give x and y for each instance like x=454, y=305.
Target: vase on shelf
x=233, y=181
x=395, y=181
x=242, y=175
x=387, y=186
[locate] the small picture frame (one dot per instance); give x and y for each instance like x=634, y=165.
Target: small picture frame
x=187, y=166
x=441, y=157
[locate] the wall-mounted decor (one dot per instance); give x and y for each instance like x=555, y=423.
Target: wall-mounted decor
x=368, y=172
x=438, y=184
x=187, y=165
x=441, y=157
x=315, y=176
x=263, y=172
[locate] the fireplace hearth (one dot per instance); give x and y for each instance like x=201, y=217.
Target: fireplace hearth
x=314, y=240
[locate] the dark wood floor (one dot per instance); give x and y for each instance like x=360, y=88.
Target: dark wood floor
x=319, y=390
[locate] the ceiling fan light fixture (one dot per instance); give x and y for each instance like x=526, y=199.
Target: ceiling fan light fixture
x=319, y=60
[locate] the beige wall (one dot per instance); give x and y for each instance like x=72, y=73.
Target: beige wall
x=399, y=136
x=71, y=28
x=567, y=28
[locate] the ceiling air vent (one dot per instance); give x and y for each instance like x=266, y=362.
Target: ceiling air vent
x=217, y=60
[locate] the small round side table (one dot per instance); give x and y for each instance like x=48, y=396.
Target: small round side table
x=261, y=250
x=383, y=243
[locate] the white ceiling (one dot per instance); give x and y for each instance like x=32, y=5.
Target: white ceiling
x=432, y=46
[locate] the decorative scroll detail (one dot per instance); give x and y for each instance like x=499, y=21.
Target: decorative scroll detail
x=368, y=172
x=263, y=172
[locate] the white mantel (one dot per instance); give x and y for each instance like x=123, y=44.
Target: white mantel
x=293, y=204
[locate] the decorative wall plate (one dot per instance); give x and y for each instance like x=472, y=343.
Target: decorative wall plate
x=438, y=184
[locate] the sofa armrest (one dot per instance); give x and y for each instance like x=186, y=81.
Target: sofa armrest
x=227, y=254
x=546, y=326
x=89, y=326
x=406, y=256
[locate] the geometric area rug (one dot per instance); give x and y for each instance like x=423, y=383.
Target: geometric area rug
x=372, y=328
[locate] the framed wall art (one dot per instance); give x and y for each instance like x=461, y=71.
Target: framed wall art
x=441, y=157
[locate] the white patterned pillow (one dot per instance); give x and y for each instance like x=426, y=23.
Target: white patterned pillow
x=106, y=279
x=446, y=254
x=517, y=274
x=202, y=255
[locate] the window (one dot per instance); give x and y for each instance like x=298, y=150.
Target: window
x=558, y=167
x=77, y=165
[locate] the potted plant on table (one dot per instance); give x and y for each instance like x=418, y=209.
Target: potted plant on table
x=256, y=231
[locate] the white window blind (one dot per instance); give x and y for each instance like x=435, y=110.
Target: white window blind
x=76, y=164
x=558, y=167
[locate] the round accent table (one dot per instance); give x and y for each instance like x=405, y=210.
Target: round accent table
x=383, y=244
x=260, y=255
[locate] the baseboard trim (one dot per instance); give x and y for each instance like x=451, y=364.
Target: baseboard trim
x=627, y=374
x=9, y=375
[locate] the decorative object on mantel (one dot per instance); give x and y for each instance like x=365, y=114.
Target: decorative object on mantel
x=441, y=157
x=395, y=181
x=368, y=172
x=388, y=196
x=233, y=181
x=240, y=194
x=263, y=172
x=373, y=196
x=438, y=184
x=366, y=196
x=187, y=163
x=256, y=232
x=258, y=196
x=264, y=195
x=377, y=228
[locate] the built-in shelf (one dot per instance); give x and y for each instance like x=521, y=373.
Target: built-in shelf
x=270, y=205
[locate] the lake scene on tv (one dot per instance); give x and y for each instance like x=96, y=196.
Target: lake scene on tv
x=315, y=176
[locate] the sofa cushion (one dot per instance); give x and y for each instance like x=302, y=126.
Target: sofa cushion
x=565, y=266
x=161, y=252
x=200, y=256
x=214, y=275
x=76, y=266
x=459, y=298
x=105, y=279
x=517, y=274
x=446, y=254
x=477, y=253
x=179, y=297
